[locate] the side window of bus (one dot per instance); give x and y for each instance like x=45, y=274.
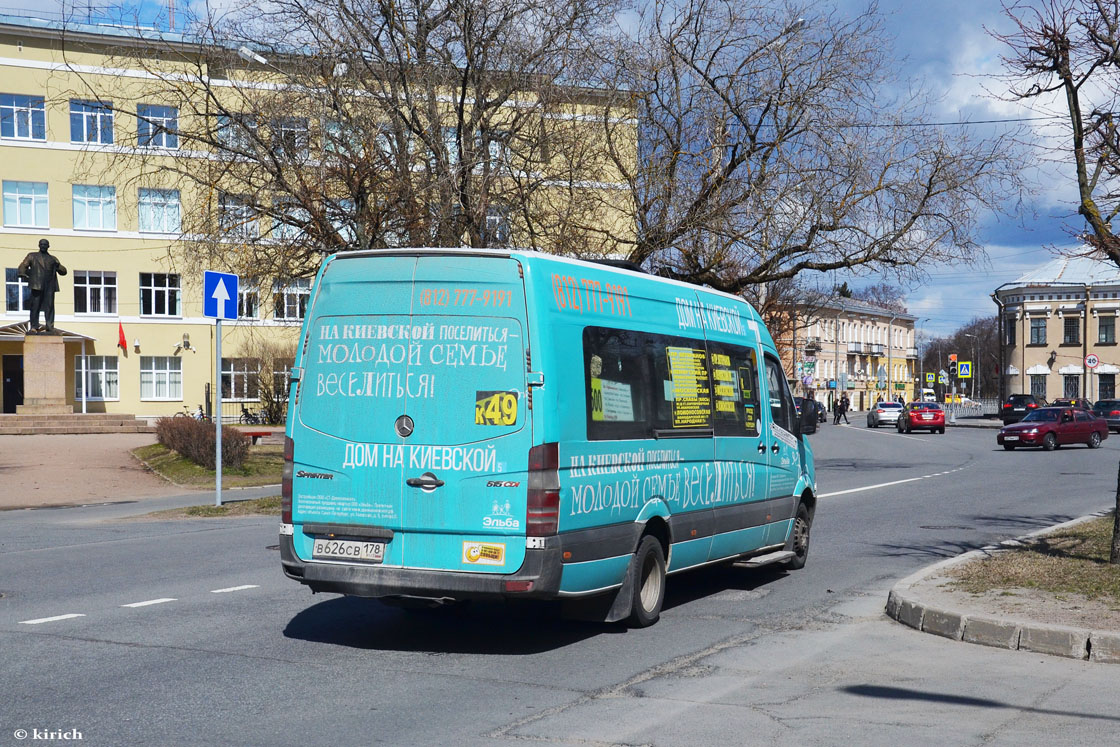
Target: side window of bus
x=735, y=389
x=781, y=403
x=637, y=382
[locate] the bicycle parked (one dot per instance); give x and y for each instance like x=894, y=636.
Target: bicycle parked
x=250, y=418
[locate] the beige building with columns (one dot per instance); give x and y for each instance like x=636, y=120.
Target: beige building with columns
x=852, y=347
x=1053, y=318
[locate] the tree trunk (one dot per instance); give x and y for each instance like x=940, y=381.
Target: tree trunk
x=1114, y=554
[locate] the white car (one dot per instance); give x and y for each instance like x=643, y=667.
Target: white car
x=884, y=412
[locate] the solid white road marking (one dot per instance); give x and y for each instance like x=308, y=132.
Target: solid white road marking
x=50, y=619
x=235, y=588
x=870, y=487
x=149, y=602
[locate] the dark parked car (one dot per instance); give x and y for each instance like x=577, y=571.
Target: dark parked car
x=1051, y=427
x=921, y=415
x=1081, y=402
x=1018, y=405
x=1109, y=409
x=821, y=415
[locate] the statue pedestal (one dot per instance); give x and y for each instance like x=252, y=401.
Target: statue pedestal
x=44, y=376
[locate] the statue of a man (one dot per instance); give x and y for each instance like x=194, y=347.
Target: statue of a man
x=41, y=270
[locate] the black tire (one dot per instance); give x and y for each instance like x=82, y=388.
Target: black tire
x=1009, y=447
x=869, y=423
x=1094, y=440
x=941, y=430
x=798, y=540
x=1049, y=443
x=649, y=583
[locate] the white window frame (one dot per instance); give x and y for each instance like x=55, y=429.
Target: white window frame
x=91, y=119
x=292, y=135
x=157, y=126
x=28, y=111
x=95, y=285
x=161, y=372
x=239, y=379
x=100, y=207
x=23, y=290
x=99, y=370
x=32, y=195
x=237, y=218
x=248, y=300
x=287, y=305
x=170, y=290
x=234, y=131
x=159, y=211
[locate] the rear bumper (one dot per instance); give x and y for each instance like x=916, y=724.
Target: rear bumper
x=542, y=567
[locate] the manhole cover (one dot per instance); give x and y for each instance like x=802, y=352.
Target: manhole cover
x=943, y=526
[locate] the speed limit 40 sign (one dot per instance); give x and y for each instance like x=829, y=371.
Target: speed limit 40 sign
x=1092, y=361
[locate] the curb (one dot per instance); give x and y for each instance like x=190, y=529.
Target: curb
x=905, y=606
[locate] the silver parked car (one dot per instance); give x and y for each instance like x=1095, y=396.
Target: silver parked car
x=884, y=412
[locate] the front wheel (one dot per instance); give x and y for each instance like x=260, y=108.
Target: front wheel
x=798, y=541
x=1049, y=443
x=1009, y=447
x=1094, y=440
x=649, y=583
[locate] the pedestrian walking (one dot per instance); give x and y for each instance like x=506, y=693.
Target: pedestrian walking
x=845, y=404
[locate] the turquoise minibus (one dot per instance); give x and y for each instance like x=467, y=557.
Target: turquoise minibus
x=471, y=424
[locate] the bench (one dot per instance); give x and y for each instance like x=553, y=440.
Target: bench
x=257, y=435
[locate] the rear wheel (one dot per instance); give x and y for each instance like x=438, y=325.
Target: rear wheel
x=941, y=430
x=1094, y=440
x=798, y=540
x=1049, y=443
x=649, y=583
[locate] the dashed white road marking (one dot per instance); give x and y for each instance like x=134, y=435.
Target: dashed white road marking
x=50, y=619
x=150, y=602
x=235, y=588
x=888, y=484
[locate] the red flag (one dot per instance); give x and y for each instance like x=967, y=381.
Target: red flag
x=122, y=343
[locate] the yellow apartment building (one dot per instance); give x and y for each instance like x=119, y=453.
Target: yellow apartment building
x=1052, y=319
x=90, y=180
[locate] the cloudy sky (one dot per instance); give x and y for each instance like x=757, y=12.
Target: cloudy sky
x=943, y=45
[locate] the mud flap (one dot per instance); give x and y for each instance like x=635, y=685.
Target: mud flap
x=609, y=607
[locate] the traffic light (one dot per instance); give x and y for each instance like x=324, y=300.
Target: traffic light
x=953, y=367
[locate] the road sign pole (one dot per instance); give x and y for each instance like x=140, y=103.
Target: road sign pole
x=218, y=412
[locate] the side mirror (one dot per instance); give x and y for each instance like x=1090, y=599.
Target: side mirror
x=807, y=421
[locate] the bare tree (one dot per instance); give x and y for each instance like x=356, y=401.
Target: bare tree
x=770, y=143
x=883, y=295
x=1070, y=49
x=310, y=126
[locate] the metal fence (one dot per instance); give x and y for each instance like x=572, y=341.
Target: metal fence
x=253, y=413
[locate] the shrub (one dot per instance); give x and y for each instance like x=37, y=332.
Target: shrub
x=194, y=440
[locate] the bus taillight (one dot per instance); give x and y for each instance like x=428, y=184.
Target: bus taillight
x=542, y=513
x=286, y=482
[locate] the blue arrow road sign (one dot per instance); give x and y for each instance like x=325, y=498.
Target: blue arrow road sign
x=219, y=291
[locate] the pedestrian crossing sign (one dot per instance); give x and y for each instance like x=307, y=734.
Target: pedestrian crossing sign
x=964, y=370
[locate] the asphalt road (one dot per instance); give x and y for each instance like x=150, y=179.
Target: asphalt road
x=133, y=631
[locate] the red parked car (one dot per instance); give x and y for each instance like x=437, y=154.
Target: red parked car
x=1051, y=427
x=922, y=416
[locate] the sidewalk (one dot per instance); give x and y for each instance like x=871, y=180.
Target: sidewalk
x=1027, y=621
x=65, y=470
